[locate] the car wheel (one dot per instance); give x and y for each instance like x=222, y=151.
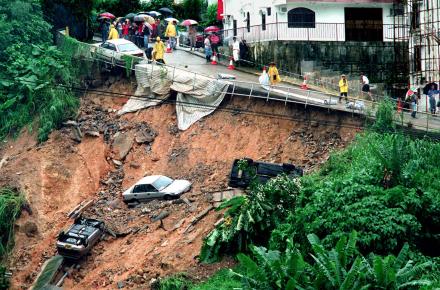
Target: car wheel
x=167, y=197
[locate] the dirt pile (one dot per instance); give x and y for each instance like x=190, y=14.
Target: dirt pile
x=100, y=154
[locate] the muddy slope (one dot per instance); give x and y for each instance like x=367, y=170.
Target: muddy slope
x=57, y=175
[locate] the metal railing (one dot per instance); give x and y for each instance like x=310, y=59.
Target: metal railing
x=285, y=94
x=318, y=32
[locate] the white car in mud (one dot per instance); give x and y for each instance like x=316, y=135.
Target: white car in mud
x=156, y=186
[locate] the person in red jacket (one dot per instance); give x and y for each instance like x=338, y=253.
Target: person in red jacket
x=125, y=29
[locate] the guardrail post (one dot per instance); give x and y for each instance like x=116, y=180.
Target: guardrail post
x=252, y=88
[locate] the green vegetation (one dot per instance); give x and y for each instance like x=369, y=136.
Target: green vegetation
x=34, y=75
x=222, y=280
x=382, y=192
x=11, y=203
x=4, y=282
x=10, y=208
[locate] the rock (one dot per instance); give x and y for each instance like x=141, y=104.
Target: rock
x=77, y=134
x=70, y=123
x=144, y=137
x=122, y=144
x=30, y=229
x=134, y=165
x=92, y=133
x=117, y=162
x=155, y=158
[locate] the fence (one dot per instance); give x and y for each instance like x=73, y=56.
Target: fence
x=318, y=32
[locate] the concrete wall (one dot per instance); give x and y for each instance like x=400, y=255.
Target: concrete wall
x=376, y=60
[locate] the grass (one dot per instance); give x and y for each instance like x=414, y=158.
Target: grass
x=10, y=208
x=219, y=281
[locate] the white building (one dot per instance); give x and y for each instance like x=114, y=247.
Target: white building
x=324, y=20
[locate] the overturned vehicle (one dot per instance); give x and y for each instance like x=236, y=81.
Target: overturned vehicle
x=80, y=238
x=244, y=170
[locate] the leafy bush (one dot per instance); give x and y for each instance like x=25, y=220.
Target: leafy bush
x=384, y=121
x=34, y=75
x=384, y=186
x=338, y=268
x=10, y=208
x=250, y=219
x=4, y=282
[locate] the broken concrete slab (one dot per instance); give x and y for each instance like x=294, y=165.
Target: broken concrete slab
x=92, y=133
x=122, y=144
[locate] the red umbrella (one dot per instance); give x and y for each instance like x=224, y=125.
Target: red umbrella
x=107, y=15
x=212, y=29
x=189, y=22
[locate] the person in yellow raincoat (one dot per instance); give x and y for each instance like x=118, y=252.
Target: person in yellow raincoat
x=113, y=34
x=274, y=76
x=343, y=88
x=158, y=51
x=171, y=33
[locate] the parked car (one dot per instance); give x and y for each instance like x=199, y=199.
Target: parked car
x=79, y=239
x=117, y=48
x=264, y=171
x=156, y=186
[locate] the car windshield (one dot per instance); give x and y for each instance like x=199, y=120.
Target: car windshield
x=127, y=47
x=162, y=182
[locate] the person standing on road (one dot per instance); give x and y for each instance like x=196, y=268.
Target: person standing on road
x=411, y=98
x=119, y=28
x=126, y=29
x=215, y=40
x=244, y=50
x=154, y=32
x=343, y=88
x=192, y=34
x=146, y=32
x=105, y=27
x=158, y=51
x=366, y=85
x=113, y=34
x=432, y=103
x=171, y=33
x=208, y=49
x=274, y=75
x=236, y=50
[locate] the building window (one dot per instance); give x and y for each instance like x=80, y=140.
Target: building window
x=263, y=21
x=417, y=58
x=234, y=27
x=269, y=11
x=301, y=18
x=248, y=22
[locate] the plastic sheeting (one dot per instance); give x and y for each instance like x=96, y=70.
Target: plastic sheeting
x=197, y=96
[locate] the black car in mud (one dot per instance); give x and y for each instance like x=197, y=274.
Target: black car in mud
x=79, y=239
x=263, y=172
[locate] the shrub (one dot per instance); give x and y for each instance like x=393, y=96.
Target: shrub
x=10, y=208
x=383, y=186
x=250, y=219
x=338, y=268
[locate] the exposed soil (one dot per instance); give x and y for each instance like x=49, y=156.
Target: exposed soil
x=60, y=173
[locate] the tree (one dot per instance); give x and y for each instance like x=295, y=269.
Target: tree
x=192, y=9
x=210, y=16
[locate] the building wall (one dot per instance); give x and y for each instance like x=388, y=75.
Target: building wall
x=333, y=13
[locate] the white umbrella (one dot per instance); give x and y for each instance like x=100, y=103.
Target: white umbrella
x=171, y=19
x=154, y=13
x=189, y=22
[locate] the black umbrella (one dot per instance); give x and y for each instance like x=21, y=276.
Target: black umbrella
x=130, y=16
x=165, y=10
